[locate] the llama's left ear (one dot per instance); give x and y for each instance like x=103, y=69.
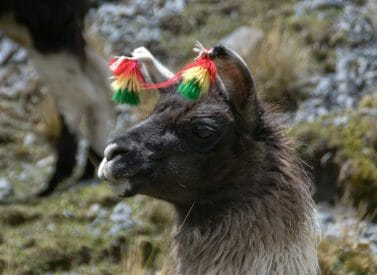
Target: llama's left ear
x=238, y=81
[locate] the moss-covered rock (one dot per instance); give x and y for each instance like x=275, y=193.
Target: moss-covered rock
x=341, y=256
x=342, y=149
x=370, y=99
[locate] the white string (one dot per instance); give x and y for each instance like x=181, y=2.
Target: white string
x=187, y=215
x=200, y=49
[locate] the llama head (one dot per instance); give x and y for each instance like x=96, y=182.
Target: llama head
x=186, y=149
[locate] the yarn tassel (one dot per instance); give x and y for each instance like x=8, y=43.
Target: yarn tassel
x=127, y=80
x=197, y=77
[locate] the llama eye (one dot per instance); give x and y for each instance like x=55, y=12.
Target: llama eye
x=203, y=132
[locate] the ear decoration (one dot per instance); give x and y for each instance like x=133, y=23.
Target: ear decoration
x=128, y=80
x=196, y=78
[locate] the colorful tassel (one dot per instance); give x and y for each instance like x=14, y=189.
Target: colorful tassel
x=128, y=80
x=197, y=77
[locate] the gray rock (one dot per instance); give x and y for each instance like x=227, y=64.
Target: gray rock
x=341, y=121
x=343, y=222
x=20, y=56
x=243, y=40
x=7, y=49
x=46, y=161
x=121, y=213
x=121, y=217
x=6, y=189
x=308, y=5
x=355, y=26
x=131, y=25
x=29, y=139
x=94, y=209
x=101, y=217
x=355, y=67
x=11, y=52
x=370, y=13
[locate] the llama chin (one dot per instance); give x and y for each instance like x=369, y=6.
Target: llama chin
x=120, y=189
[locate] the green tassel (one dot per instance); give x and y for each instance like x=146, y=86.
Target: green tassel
x=190, y=89
x=126, y=96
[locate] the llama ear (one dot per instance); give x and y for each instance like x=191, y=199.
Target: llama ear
x=238, y=81
x=153, y=69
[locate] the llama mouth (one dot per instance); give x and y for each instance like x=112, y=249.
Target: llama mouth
x=125, y=187
x=104, y=173
x=122, y=189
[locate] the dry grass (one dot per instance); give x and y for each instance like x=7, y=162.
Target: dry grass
x=340, y=256
x=278, y=62
x=145, y=255
x=347, y=253
x=132, y=261
x=8, y=266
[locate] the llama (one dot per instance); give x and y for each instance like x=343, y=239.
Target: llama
x=241, y=196
x=77, y=77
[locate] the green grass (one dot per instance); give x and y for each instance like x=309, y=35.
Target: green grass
x=354, y=146
x=53, y=234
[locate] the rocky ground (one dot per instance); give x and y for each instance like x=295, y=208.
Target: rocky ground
x=315, y=59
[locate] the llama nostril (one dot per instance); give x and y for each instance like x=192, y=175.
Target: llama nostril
x=114, y=150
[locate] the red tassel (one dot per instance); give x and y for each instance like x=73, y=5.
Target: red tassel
x=197, y=77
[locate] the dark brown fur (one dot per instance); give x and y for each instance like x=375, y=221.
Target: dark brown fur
x=241, y=195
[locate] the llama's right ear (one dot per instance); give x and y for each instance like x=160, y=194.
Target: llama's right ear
x=154, y=70
x=238, y=81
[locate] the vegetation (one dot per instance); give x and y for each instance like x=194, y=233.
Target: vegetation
x=353, y=146
x=342, y=256
x=65, y=232
x=278, y=63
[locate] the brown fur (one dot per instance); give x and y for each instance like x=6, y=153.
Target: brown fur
x=241, y=195
x=254, y=223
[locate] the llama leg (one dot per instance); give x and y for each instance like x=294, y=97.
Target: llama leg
x=91, y=164
x=67, y=147
x=77, y=77
x=81, y=92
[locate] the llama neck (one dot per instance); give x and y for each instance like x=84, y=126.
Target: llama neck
x=267, y=235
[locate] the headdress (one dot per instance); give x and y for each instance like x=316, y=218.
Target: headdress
x=195, y=78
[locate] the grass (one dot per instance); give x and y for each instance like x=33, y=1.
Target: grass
x=347, y=253
x=54, y=235
x=278, y=63
x=354, y=152
x=341, y=256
